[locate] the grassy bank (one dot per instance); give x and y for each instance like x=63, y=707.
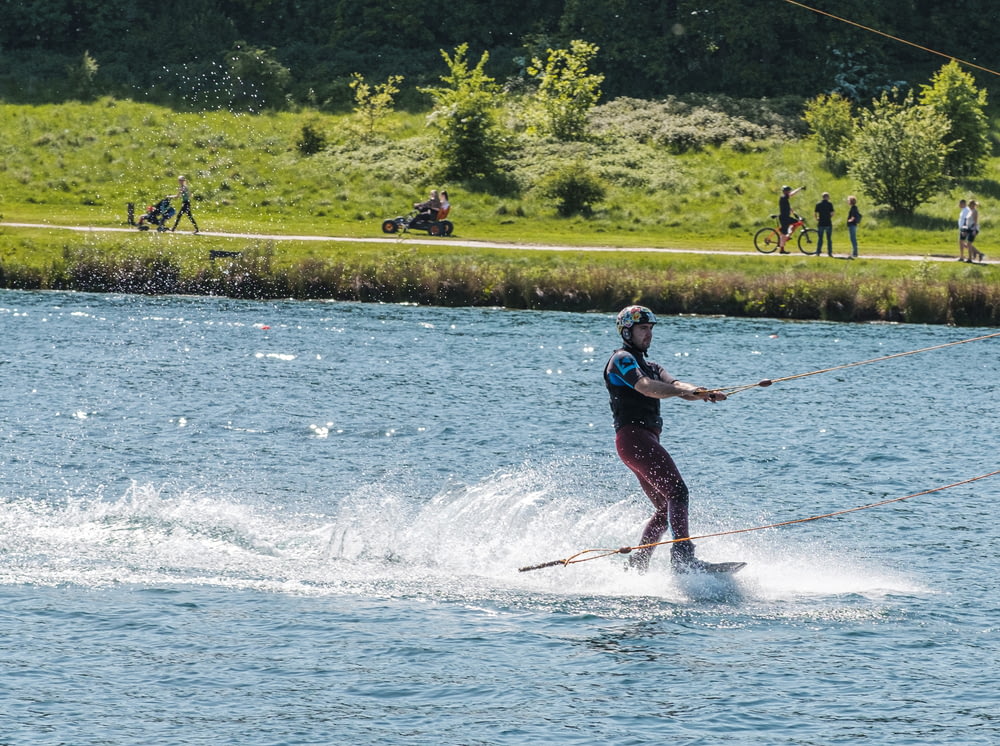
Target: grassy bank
x=76, y=164
x=580, y=280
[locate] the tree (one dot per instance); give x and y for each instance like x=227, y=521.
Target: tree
x=471, y=142
x=372, y=105
x=265, y=80
x=832, y=123
x=953, y=94
x=898, y=154
x=81, y=76
x=567, y=91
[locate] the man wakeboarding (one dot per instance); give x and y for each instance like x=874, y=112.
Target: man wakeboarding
x=636, y=386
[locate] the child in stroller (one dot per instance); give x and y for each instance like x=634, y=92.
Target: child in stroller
x=158, y=215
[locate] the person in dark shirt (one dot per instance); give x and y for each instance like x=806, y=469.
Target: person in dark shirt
x=636, y=386
x=824, y=224
x=184, y=193
x=853, y=221
x=785, y=215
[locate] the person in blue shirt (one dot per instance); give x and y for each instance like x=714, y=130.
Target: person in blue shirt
x=636, y=386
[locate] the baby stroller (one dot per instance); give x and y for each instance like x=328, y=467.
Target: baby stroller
x=158, y=215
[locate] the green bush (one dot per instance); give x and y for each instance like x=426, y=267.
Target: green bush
x=691, y=124
x=576, y=188
x=311, y=141
x=832, y=124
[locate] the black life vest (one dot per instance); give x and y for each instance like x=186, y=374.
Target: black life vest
x=628, y=406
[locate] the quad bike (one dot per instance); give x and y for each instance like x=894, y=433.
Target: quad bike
x=418, y=222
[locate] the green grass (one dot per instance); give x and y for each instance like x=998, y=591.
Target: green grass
x=79, y=164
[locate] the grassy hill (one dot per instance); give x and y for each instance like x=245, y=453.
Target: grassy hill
x=79, y=164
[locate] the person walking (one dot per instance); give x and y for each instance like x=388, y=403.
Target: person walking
x=824, y=224
x=963, y=230
x=971, y=231
x=636, y=386
x=853, y=221
x=184, y=193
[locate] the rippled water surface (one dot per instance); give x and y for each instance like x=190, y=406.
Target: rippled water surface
x=302, y=523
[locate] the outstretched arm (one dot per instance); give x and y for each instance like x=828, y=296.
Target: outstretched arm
x=666, y=389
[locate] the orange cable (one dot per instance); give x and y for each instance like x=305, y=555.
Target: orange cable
x=599, y=553
x=894, y=38
x=768, y=381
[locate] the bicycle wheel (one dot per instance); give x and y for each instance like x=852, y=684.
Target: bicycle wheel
x=766, y=240
x=809, y=241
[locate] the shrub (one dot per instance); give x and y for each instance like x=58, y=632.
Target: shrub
x=691, y=124
x=575, y=187
x=373, y=104
x=471, y=143
x=832, y=124
x=898, y=154
x=567, y=91
x=311, y=141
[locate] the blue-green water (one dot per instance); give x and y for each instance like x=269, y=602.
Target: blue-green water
x=301, y=523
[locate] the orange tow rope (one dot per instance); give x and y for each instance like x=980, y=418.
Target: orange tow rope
x=591, y=554
x=769, y=381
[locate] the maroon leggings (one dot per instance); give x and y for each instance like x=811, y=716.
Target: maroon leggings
x=640, y=450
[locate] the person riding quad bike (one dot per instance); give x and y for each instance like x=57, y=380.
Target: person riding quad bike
x=427, y=212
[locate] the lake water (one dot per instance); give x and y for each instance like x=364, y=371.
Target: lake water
x=233, y=522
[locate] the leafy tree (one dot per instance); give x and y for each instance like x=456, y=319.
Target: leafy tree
x=567, y=91
x=471, y=142
x=373, y=105
x=832, y=124
x=81, y=76
x=898, y=154
x=953, y=94
x=265, y=80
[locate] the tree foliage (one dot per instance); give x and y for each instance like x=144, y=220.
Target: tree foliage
x=263, y=81
x=831, y=121
x=953, y=94
x=471, y=141
x=567, y=90
x=649, y=49
x=898, y=154
x=372, y=104
x=82, y=76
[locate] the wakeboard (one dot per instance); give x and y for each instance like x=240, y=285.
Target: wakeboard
x=716, y=568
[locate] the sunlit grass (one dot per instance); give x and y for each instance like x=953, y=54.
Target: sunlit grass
x=76, y=164
x=81, y=163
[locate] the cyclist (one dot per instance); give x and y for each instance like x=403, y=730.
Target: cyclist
x=785, y=215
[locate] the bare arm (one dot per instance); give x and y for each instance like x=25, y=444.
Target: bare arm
x=665, y=389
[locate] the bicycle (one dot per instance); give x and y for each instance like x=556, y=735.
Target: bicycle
x=766, y=240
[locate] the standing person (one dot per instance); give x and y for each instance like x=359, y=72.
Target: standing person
x=824, y=224
x=184, y=192
x=785, y=215
x=971, y=231
x=963, y=217
x=636, y=386
x=853, y=221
